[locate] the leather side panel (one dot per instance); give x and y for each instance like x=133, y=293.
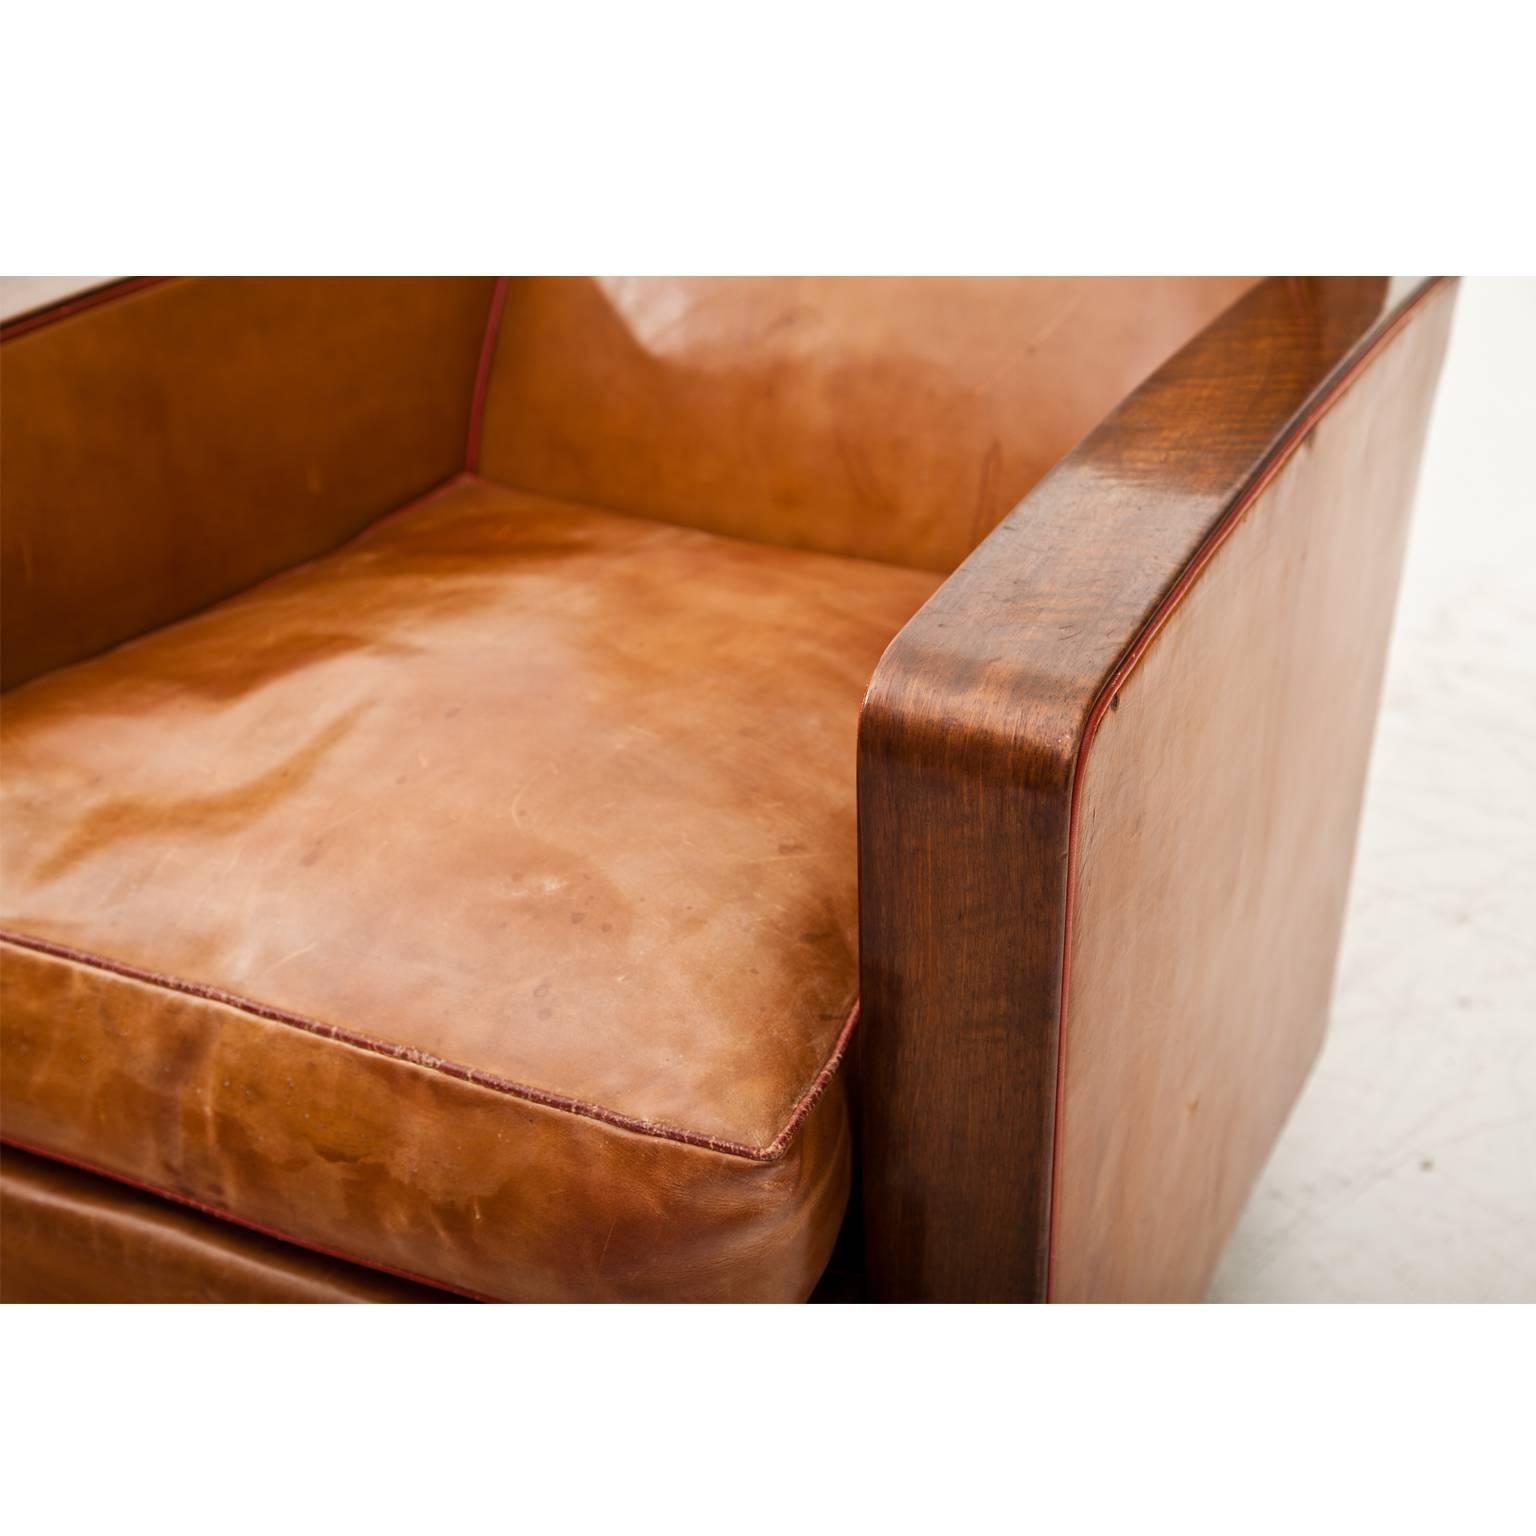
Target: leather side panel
x=1216, y=828
x=170, y=447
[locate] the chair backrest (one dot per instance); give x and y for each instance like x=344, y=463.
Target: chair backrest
x=893, y=418
x=168, y=442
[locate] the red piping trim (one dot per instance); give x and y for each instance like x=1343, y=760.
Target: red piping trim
x=483, y=375
x=1322, y=401
x=62, y=309
x=238, y=1221
x=556, y=1101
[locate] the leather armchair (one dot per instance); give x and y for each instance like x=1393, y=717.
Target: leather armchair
x=446, y=853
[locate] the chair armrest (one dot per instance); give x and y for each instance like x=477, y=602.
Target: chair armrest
x=169, y=441
x=1109, y=779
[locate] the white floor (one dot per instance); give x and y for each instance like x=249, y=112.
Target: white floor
x=1408, y=1170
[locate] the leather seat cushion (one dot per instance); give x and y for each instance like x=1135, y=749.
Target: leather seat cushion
x=477, y=902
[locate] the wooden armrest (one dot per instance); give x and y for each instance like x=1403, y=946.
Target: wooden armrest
x=1109, y=779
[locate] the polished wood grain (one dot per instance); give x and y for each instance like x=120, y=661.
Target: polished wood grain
x=972, y=751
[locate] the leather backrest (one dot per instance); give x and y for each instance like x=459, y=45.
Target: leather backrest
x=893, y=418
x=169, y=446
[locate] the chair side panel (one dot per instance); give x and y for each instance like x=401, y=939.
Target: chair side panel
x=1217, y=815
x=162, y=449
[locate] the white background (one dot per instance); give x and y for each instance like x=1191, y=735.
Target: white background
x=827, y=137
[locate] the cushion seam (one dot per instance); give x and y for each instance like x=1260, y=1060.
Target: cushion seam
x=563, y=1103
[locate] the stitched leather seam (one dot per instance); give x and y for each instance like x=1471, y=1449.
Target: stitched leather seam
x=481, y=1079
x=1323, y=399
x=483, y=376
x=239, y=1221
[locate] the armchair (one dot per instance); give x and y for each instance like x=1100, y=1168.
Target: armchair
x=445, y=853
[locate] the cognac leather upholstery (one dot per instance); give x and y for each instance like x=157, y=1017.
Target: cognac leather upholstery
x=894, y=418
x=172, y=446
x=478, y=901
x=70, y=1236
